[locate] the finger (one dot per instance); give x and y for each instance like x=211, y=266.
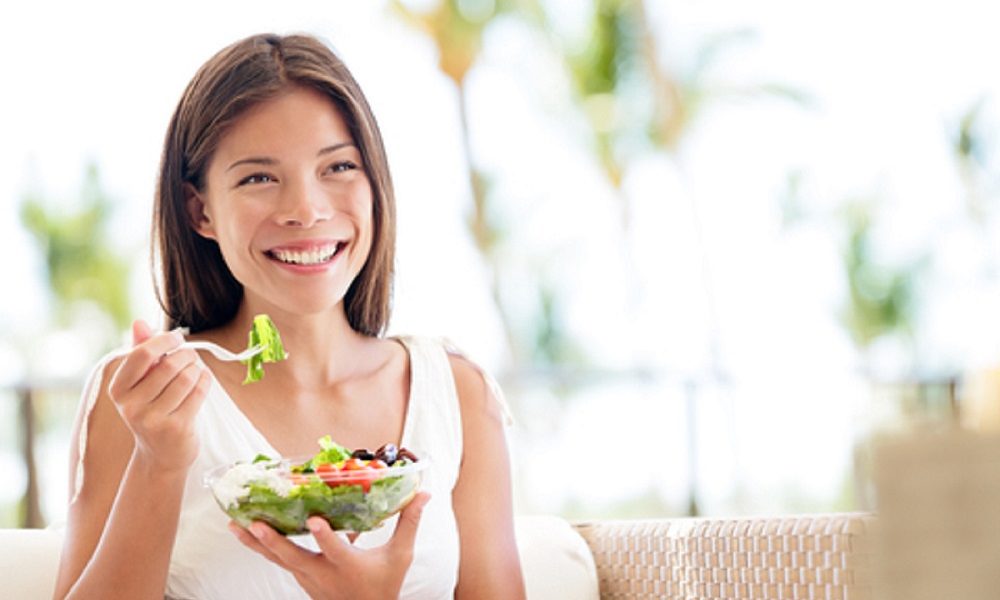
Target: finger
x=191, y=404
x=141, y=331
x=286, y=553
x=165, y=372
x=141, y=359
x=178, y=389
x=248, y=540
x=330, y=544
x=406, y=528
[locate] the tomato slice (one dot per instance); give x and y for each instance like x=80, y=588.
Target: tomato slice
x=360, y=473
x=354, y=464
x=353, y=471
x=327, y=473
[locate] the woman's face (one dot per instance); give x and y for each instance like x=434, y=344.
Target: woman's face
x=289, y=203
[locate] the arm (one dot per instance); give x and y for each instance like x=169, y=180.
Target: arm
x=140, y=443
x=489, y=563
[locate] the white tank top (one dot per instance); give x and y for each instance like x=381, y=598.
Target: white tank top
x=208, y=562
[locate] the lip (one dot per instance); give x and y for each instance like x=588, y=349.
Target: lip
x=306, y=245
x=301, y=246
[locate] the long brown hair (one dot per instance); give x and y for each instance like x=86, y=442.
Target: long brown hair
x=196, y=289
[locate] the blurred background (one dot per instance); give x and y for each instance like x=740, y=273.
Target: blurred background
x=708, y=248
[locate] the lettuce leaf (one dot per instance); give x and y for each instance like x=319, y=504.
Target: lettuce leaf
x=262, y=504
x=331, y=452
x=263, y=333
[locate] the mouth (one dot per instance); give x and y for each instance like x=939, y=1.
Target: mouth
x=312, y=256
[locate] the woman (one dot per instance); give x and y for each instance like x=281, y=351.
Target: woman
x=274, y=197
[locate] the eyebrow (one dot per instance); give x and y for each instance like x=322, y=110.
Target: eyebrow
x=268, y=161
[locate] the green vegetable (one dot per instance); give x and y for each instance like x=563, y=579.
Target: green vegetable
x=263, y=333
x=345, y=506
x=263, y=504
x=331, y=452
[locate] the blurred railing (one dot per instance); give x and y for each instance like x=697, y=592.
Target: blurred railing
x=916, y=403
x=31, y=510
x=28, y=397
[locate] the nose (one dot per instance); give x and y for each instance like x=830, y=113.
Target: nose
x=303, y=205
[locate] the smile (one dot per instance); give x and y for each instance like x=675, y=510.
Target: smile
x=307, y=257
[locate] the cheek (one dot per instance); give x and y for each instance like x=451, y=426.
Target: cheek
x=364, y=211
x=366, y=237
x=233, y=230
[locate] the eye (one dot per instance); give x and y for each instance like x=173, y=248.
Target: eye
x=342, y=166
x=256, y=178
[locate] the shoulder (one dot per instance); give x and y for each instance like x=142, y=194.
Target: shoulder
x=102, y=442
x=479, y=396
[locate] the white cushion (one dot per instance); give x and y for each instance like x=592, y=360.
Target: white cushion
x=29, y=560
x=555, y=559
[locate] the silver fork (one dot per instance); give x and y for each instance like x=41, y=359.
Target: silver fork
x=220, y=352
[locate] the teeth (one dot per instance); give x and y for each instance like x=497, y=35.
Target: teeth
x=307, y=257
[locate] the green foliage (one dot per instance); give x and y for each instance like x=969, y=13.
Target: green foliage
x=881, y=298
x=81, y=264
x=969, y=141
x=971, y=144
x=456, y=27
x=614, y=39
x=552, y=343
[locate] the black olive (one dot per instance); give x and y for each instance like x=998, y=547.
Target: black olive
x=387, y=453
x=363, y=454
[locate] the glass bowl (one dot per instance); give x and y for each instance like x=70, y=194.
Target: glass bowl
x=351, y=500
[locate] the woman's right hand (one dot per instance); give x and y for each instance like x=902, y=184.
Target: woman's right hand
x=158, y=396
x=341, y=571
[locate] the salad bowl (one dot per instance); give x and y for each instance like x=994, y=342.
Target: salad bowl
x=354, y=491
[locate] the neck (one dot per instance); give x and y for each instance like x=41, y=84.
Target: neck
x=322, y=347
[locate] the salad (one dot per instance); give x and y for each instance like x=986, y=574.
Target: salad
x=354, y=491
x=263, y=333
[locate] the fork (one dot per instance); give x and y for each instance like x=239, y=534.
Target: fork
x=220, y=352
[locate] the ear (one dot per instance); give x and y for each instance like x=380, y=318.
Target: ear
x=197, y=216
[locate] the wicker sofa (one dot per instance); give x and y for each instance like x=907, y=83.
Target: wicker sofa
x=804, y=557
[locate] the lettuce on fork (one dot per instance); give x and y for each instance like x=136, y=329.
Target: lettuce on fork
x=263, y=333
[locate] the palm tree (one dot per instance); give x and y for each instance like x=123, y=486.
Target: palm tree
x=81, y=264
x=622, y=60
x=970, y=145
x=457, y=31
x=81, y=268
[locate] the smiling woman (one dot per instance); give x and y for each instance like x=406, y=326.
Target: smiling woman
x=286, y=196
x=275, y=198
x=194, y=158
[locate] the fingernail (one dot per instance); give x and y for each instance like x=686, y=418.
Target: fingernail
x=257, y=531
x=313, y=525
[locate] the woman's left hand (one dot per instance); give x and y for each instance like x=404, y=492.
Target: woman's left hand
x=340, y=570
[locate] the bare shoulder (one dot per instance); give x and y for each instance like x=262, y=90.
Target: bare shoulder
x=475, y=395
x=108, y=441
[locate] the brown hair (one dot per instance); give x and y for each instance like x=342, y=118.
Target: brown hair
x=196, y=288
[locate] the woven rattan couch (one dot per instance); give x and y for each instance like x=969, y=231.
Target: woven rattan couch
x=807, y=557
